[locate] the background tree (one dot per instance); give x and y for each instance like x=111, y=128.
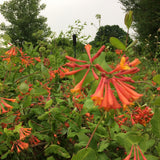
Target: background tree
x=25, y=22
x=146, y=18
x=105, y=32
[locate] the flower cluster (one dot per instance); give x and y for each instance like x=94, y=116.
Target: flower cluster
x=19, y=144
x=134, y=116
x=142, y=116
x=60, y=71
x=24, y=58
x=6, y=105
x=136, y=153
x=104, y=95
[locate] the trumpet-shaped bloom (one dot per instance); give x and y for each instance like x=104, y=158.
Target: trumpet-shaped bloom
x=12, y=51
x=134, y=95
x=129, y=155
x=34, y=140
x=89, y=65
x=125, y=66
x=109, y=101
x=24, y=132
x=126, y=94
x=98, y=53
x=88, y=49
x=78, y=87
x=19, y=145
x=135, y=155
x=94, y=74
x=7, y=106
x=118, y=51
x=104, y=96
x=74, y=59
x=97, y=97
x=135, y=62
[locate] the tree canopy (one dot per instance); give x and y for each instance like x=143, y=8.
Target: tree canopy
x=146, y=17
x=105, y=32
x=25, y=23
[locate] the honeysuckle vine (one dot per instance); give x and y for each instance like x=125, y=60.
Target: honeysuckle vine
x=104, y=96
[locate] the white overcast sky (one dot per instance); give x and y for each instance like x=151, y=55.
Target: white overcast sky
x=62, y=13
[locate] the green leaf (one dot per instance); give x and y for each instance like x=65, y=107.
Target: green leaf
x=146, y=142
x=27, y=101
x=151, y=157
x=88, y=104
x=24, y=87
x=158, y=149
x=85, y=154
x=157, y=101
x=133, y=136
x=83, y=139
x=38, y=91
x=103, y=145
x=56, y=150
x=156, y=79
x=156, y=122
x=50, y=158
x=5, y=155
x=43, y=116
x=128, y=19
x=117, y=43
x=101, y=60
x=102, y=156
x=78, y=76
x=48, y=104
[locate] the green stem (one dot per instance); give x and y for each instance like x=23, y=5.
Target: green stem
x=109, y=133
x=95, y=130
x=27, y=76
x=127, y=37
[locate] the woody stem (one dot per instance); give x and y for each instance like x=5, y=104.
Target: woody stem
x=95, y=130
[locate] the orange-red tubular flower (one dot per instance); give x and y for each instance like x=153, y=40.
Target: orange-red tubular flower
x=73, y=65
x=129, y=156
x=135, y=62
x=88, y=49
x=130, y=71
x=98, y=53
x=138, y=154
x=78, y=87
x=109, y=101
x=19, y=145
x=3, y=110
x=144, y=158
x=6, y=104
x=123, y=96
x=24, y=132
x=134, y=153
x=100, y=68
x=74, y=59
x=12, y=51
x=97, y=97
x=119, y=51
x=94, y=74
x=130, y=91
x=73, y=72
x=9, y=99
x=34, y=140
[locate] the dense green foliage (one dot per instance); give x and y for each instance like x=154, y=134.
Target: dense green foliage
x=25, y=22
x=99, y=105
